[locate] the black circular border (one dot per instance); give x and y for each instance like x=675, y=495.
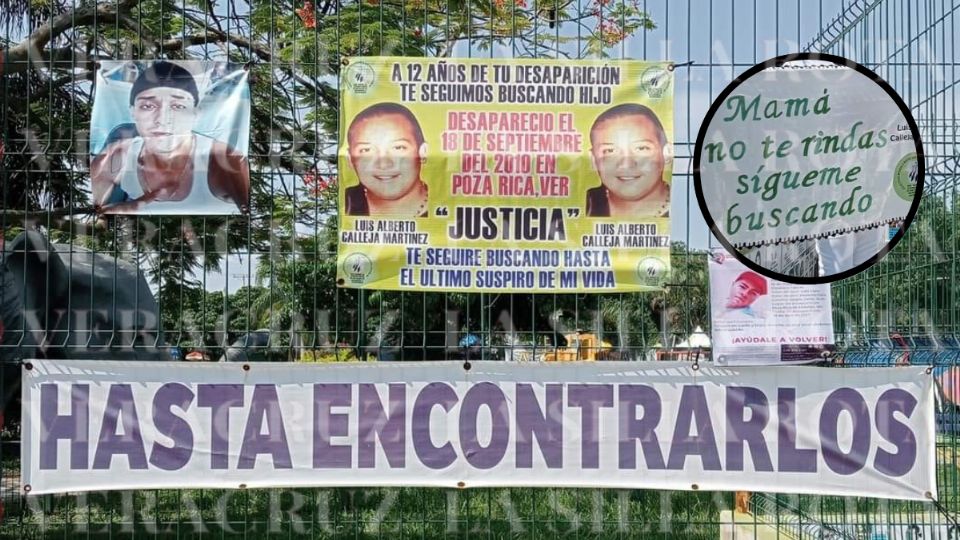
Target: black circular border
x=776, y=62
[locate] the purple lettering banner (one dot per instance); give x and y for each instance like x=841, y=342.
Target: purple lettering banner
x=91, y=425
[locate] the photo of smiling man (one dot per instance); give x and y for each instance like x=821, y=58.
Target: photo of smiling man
x=173, y=147
x=629, y=150
x=387, y=151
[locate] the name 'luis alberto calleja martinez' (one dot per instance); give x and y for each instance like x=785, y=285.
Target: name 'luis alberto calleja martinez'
x=167, y=167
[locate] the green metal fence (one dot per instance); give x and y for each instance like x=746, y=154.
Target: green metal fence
x=261, y=287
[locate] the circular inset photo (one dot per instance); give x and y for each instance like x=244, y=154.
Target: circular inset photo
x=808, y=168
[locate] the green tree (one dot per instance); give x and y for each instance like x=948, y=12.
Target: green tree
x=294, y=49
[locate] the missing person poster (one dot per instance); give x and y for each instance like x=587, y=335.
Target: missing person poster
x=170, y=138
x=505, y=175
x=757, y=320
x=807, y=151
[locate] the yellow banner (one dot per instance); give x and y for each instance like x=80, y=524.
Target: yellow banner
x=505, y=175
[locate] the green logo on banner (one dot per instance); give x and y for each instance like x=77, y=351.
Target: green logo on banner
x=359, y=77
x=651, y=271
x=905, y=177
x=655, y=80
x=358, y=268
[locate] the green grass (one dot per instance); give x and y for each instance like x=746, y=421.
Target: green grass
x=372, y=513
x=398, y=513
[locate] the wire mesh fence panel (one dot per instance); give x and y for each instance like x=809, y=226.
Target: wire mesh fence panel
x=262, y=286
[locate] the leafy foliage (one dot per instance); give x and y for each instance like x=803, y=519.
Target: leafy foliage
x=294, y=51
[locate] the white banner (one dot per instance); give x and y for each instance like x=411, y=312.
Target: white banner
x=805, y=152
x=91, y=425
x=756, y=320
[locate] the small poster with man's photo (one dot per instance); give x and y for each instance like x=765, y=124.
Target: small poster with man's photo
x=757, y=321
x=170, y=138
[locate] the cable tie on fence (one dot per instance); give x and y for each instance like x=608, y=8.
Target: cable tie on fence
x=673, y=66
x=98, y=213
x=248, y=65
x=942, y=509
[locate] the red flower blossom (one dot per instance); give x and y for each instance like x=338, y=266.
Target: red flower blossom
x=318, y=185
x=307, y=15
x=611, y=33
